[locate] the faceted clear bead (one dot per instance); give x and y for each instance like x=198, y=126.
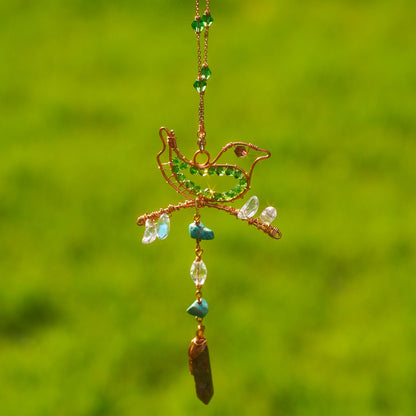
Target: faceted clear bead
x=198, y=272
x=150, y=233
x=163, y=226
x=249, y=209
x=268, y=215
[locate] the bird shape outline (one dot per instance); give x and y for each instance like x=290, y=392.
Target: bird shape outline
x=173, y=169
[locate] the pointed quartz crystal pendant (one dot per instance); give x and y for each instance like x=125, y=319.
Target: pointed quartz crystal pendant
x=163, y=226
x=268, y=215
x=249, y=209
x=150, y=233
x=199, y=272
x=200, y=368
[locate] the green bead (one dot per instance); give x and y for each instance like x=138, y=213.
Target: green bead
x=205, y=72
x=229, y=172
x=238, y=189
x=207, y=19
x=237, y=174
x=197, y=189
x=220, y=171
x=176, y=161
x=183, y=165
x=200, y=85
x=198, y=25
x=207, y=193
x=175, y=168
x=243, y=181
x=217, y=196
x=211, y=171
x=189, y=185
x=193, y=170
x=181, y=177
x=202, y=172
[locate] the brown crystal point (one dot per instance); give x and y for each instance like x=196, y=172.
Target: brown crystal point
x=200, y=368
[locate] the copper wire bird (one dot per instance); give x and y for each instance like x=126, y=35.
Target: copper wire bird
x=175, y=165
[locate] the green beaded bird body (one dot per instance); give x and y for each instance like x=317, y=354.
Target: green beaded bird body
x=179, y=171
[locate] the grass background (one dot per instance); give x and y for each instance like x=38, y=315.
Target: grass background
x=320, y=323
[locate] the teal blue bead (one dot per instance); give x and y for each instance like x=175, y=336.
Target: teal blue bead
x=200, y=232
x=198, y=309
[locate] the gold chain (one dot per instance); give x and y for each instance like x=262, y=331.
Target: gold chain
x=202, y=61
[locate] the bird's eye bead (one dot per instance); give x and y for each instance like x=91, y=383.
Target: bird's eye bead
x=240, y=151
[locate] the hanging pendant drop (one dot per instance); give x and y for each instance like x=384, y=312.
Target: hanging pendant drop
x=163, y=226
x=200, y=368
x=150, y=232
x=249, y=209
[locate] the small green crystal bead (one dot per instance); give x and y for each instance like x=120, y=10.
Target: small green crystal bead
x=184, y=165
x=229, y=172
x=198, y=25
x=197, y=189
x=238, y=189
x=207, y=19
x=181, y=177
x=202, y=172
x=193, y=170
x=175, y=168
x=200, y=85
x=176, y=161
x=243, y=181
x=217, y=196
x=189, y=185
x=237, y=174
x=211, y=171
x=220, y=171
x=207, y=193
x=205, y=72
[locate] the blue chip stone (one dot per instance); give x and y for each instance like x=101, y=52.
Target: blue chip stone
x=200, y=232
x=198, y=309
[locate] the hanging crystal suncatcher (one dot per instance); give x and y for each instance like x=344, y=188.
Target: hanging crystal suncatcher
x=183, y=174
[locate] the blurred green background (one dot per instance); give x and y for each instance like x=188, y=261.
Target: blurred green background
x=319, y=323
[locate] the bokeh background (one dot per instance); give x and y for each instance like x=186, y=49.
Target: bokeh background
x=322, y=322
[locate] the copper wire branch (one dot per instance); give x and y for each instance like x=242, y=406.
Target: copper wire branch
x=273, y=232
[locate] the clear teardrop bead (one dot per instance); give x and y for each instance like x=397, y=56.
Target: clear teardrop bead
x=163, y=226
x=150, y=232
x=249, y=209
x=268, y=215
x=199, y=272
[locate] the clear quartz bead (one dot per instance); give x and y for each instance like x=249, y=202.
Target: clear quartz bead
x=150, y=233
x=163, y=226
x=268, y=215
x=199, y=272
x=249, y=209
